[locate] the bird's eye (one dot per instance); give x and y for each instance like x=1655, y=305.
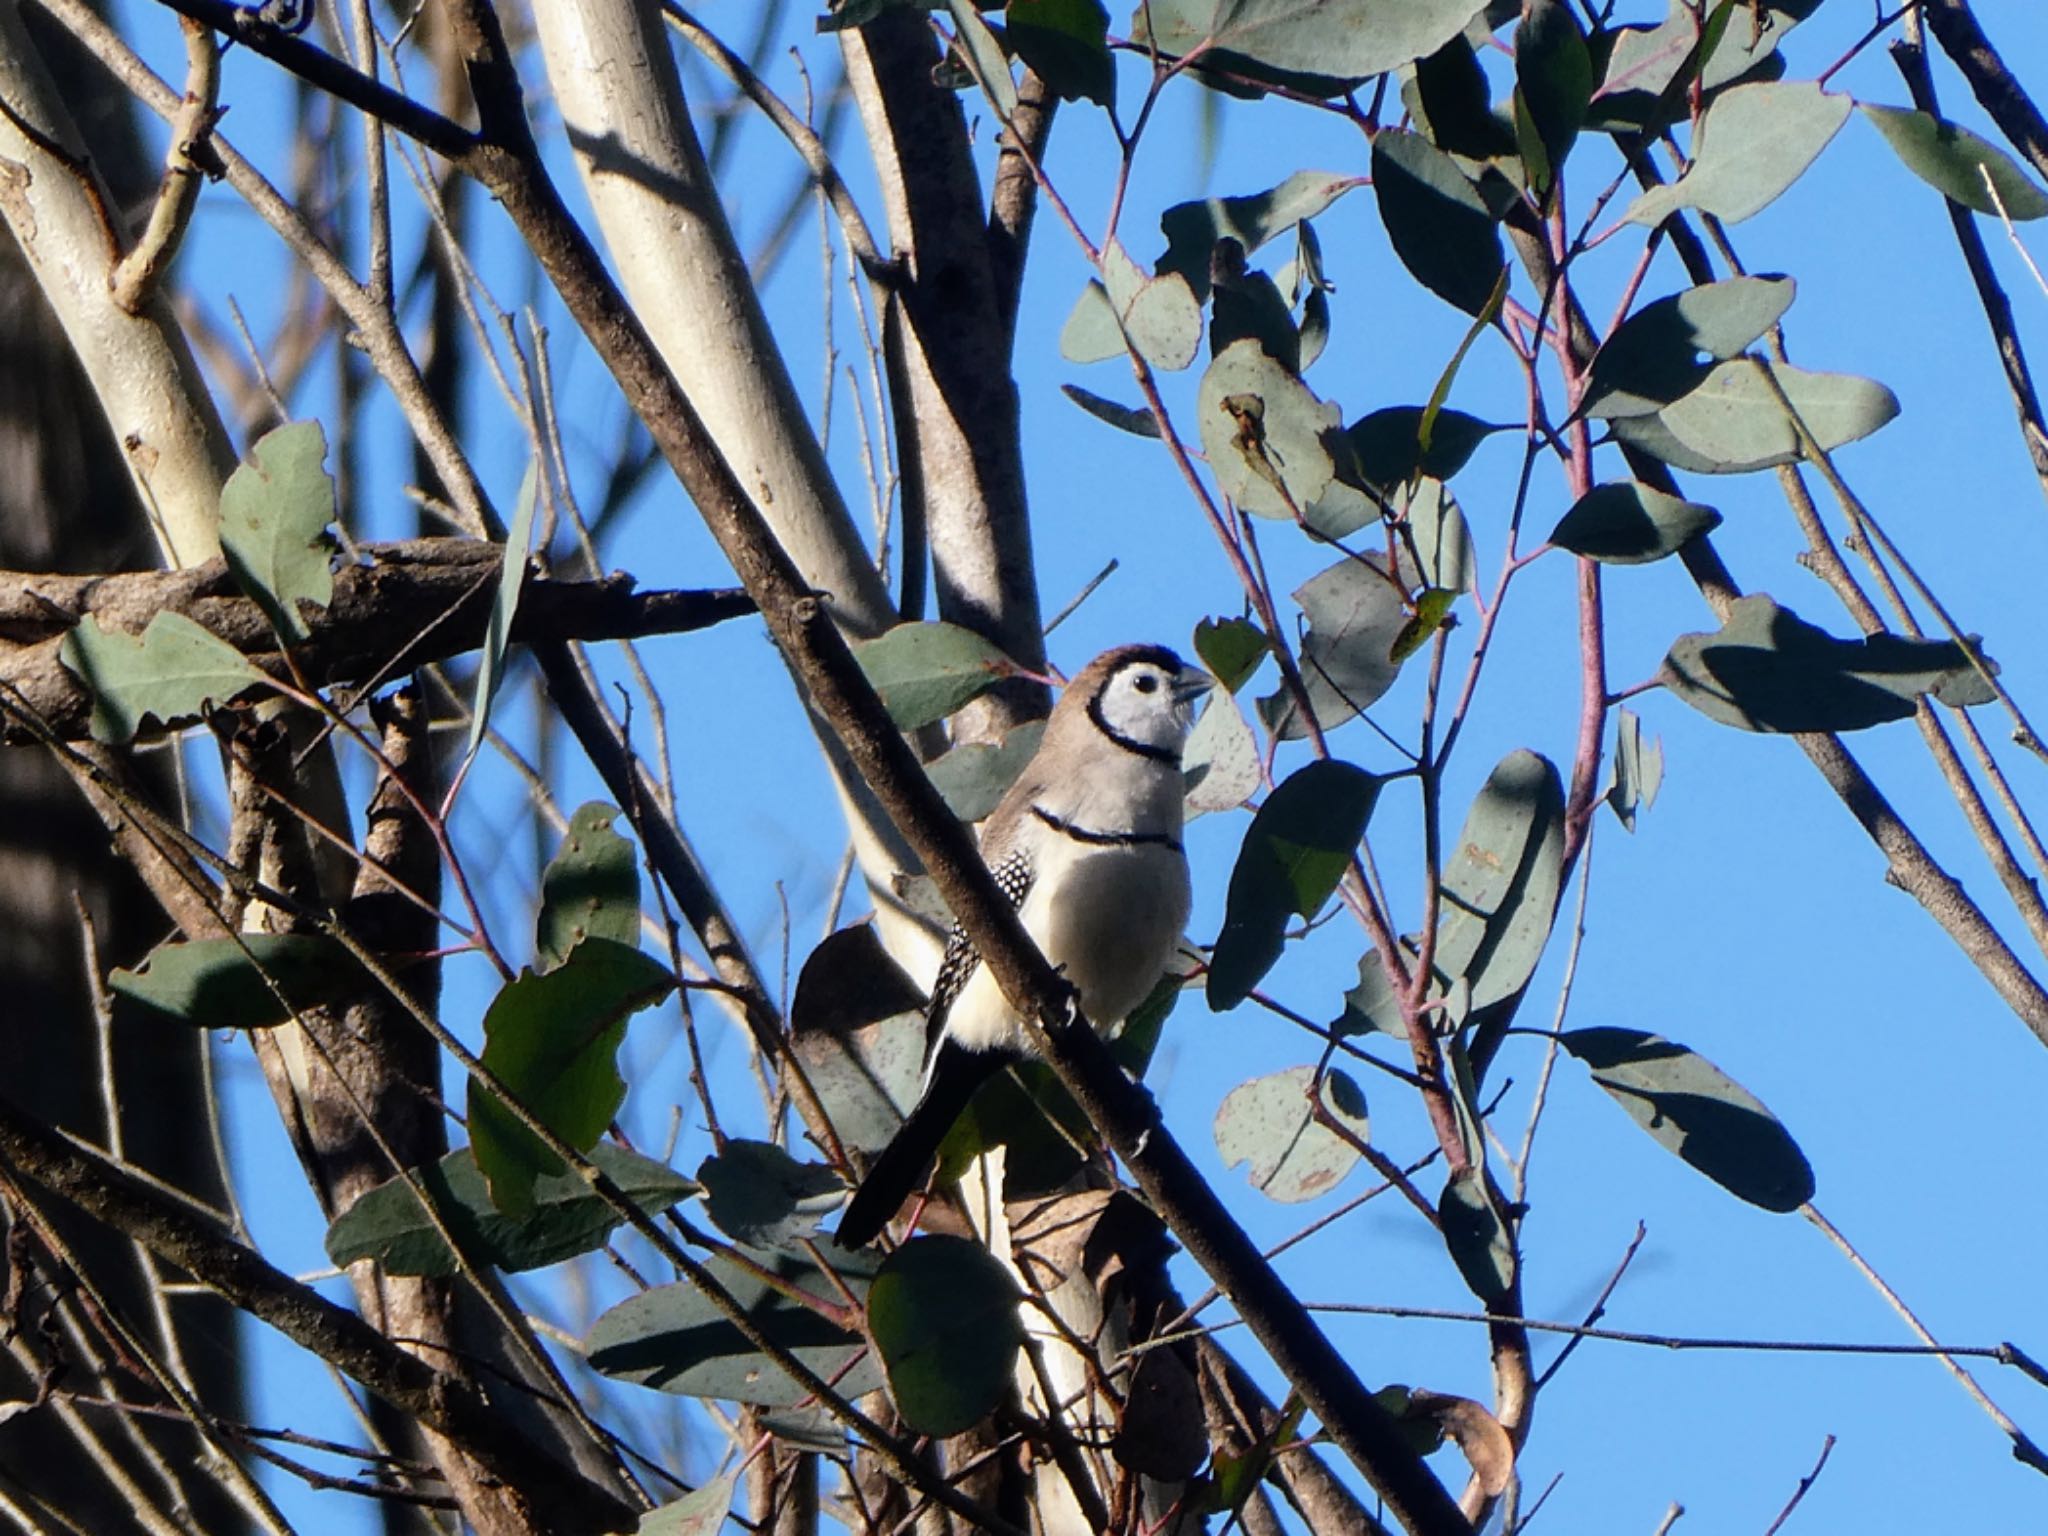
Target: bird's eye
x=1146, y=683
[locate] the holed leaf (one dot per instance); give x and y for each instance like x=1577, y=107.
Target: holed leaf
x=1698, y=1112
x=590, y=889
x=1653, y=357
x=1271, y=1124
x=1293, y=856
x=1264, y=431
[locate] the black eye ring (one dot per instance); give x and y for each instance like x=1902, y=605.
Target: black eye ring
x=1147, y=683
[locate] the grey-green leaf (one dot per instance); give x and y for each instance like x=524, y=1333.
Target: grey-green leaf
x=172, y=673
x=1297, y=849
x=991, y=65
x=1958, y=163
x=674, y=1339
x=1732, y=422
x=926, y=671
x=1753, y=143
x=490, y=670
x=1356, y=615
x=1695, y=1110
x=274, y=514
x=1653, y=357
x=1125, y=418
x=590, y=888
x=943, y=1313
x=973, y=777
x=1270, y=1124
x=762, y=1197
x=248, y=981
x=1502, y=879
x=389, y=1224
x=1439, y=225
x=857, y=1025
x=1629, y=523
x=1192, y=229
x=1766, y=669
x=1220, y=761
x=1320, y=39
x=700, y=1512
x=1477, y=1237
x=1638, y=768
x=1264, y=432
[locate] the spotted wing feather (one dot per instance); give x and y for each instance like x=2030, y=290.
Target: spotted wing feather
x=1013, y=879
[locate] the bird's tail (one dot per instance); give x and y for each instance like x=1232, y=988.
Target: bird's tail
x=956, y=1076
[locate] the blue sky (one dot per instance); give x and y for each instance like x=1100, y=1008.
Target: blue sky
x=1746, y=917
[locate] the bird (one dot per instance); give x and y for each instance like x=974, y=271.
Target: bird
x=1086, y=844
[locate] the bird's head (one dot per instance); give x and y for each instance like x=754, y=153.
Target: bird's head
x=1141, y=695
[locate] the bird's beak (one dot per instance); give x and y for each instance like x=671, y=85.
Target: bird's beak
x=1191, y=686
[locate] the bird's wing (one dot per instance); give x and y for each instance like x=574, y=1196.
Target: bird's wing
x=1013, y=878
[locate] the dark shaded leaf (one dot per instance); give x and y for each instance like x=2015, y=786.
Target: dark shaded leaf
x=1270, y=1124
x=1698, y=1112
x=674, y=1339
x=1066, y=44
x=761, y=1197
x=1956, y=163
x=1766, y=669
x=943, y=1313
x=1388, y=445
x=926, y=671
x=1629, y=523
x=553, y=1040
x=274, y=514
x=1653, y=357
x=1453, y=105
x=248, y=981
x=1246, y=305
x=172, y=673
x=1192, y=229
x=1356, y=614
x=1553, y=82
x=1439, y=225
x=1476, y=1235
x=857, y=1025
x=389, y=1224
x=1125, y=418
x=590, y=889
x=1297, y=849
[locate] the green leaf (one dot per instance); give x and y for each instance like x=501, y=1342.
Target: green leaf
x=1356, y=614
x=274, y=514
x=991, y=65
x=1270, y=1124
x=1432, y=607
x=1692, y=1108
x=1766, y=669
x=1956, y=163
x=1732, y=423
x=1553, y=80
x=1297, y=849
x=1066, y=43
x=1753, y=143
x=490, y=670
x=172, y=674
x=553, y=1040
x=1372, y=1005
x=700, y=1512
x=943, y=1313
x=1192, y=229
x=974, y=777
x=1331, y=40
x=1629, y=523
x=1264, y=431
x=1502, y=879
x=924, y=672
x=1220, y=761
x=1638, y=769
x=389, y=1223
x=590, y=889
x=1476, y=1235
x=762, y=1197
x=1439, y=225
x=1125, y=418
x=1232, y=650
x=1653, y=357
x=1388, y=445
x=674, y=1339
x=857, y=1025
x=249, y=981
